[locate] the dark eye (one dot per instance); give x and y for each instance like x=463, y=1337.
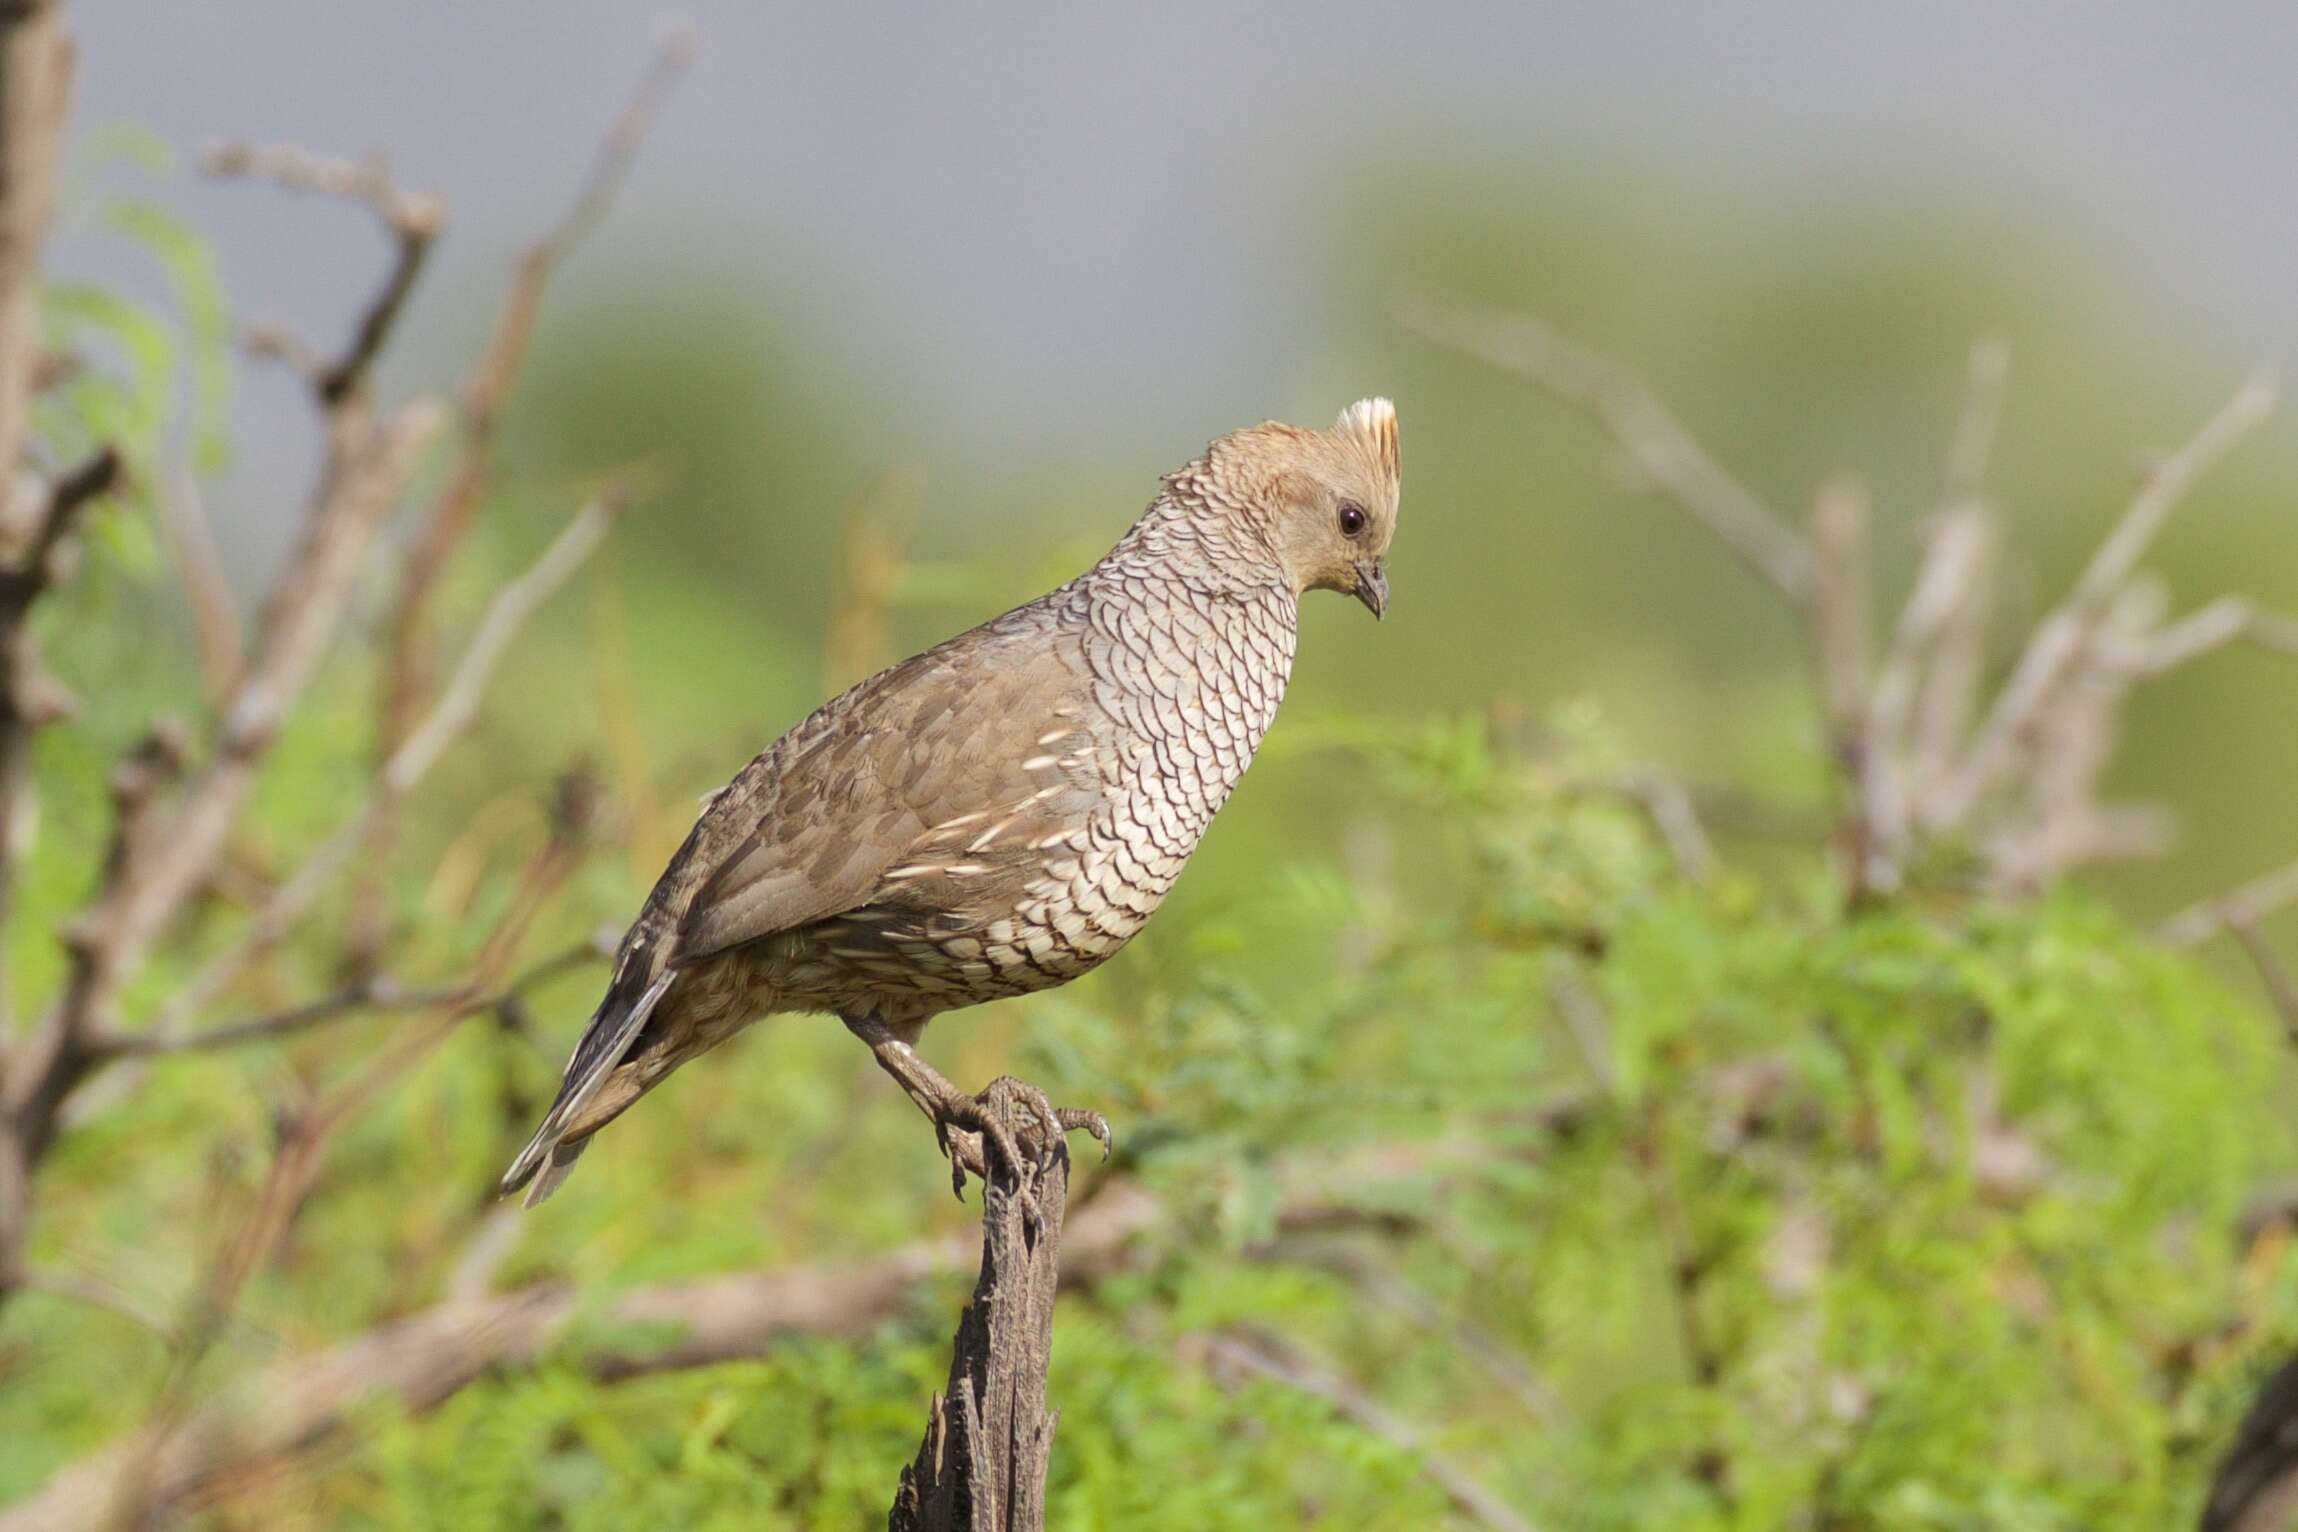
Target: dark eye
x=1352, y=518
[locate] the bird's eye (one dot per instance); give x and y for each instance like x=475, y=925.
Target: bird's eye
x=1352, y=518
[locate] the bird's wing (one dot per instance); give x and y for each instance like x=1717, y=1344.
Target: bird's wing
x=877, y=779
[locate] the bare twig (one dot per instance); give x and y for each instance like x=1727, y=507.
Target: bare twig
x=1974, y=440
x=374, y=994
x=1264, y=1356
x=421, y=1360
x=2062, y=636
x=411, y=218
x=36, y=66
x=1838, y=625
x=1660, y=447
x=29, y=698
x=2208, y=627
x=457, y=706
x=2244, y=906
x=2281, y=985
x=488, y=385
x=1488, y=1353
x=74, y=1288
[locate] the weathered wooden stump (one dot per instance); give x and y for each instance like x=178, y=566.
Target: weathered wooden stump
x=982, y=1465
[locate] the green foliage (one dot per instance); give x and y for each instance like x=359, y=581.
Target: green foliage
x=1913, y=1219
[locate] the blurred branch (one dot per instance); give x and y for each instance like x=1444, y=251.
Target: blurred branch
x=30, y=698
x=1264, y=1356
x=2244, y=906
x=297, y=1162
x=488, y=384
x=419, y=1361
x=369, y=995
x=2021, y=787
x=2060, y=638
x=1664, y=450
x=169, y=842
x=2209, y=627
x=412, y=219
x=37, y=58
x=457, y=706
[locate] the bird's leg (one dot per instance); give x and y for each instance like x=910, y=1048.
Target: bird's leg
x=970, y=1127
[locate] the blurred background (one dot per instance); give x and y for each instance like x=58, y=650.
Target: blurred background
x=1040, y=260
x=1625, y=1184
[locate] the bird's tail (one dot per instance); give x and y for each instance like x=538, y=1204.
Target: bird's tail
x=549, y=1157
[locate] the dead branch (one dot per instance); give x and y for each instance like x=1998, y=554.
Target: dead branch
x=29, y=698
x=2209, y=627
x=989, y=1437
x=1264, y=1356
x=488, y=385
x=2020, y=787
x=1661, y=448
x=2244, y=906
x=423, y=1359
x=2059, y=640
x=367, y=996
x=412, y=219
x=457, y=706
x=2281, y=985
x=36, y=66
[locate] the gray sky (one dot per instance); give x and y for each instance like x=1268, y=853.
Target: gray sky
x=1071, y=210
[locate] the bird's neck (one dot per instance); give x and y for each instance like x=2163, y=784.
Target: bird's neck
x=1209, y=548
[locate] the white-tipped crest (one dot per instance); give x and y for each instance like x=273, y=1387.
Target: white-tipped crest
x=1371, y=424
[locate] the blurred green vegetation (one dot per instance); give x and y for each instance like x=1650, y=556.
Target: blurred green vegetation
x=1721, y=1208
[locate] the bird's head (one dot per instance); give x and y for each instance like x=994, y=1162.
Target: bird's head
x=1324, y=501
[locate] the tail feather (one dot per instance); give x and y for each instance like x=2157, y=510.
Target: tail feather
x=605, y=1043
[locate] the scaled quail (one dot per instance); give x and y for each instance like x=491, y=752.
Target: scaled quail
x=1002, y=812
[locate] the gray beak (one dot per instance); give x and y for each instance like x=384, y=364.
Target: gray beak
x=1372, y=587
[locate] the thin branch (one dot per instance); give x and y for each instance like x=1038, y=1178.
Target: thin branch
x=1973, y=442
x=2063, y=635
x=2281, y=985
x=73, y=1288
x=371, y=995
x=421, y=1360
x=2244, y=906
x=1488, y=1353
x=1265, y=1357
x=1669, y=806
x=488, y=385
x=2208, y=627
x=370, y=464
x=36, y=67
x=29, y=697
x=412, y=219
x=1664, y=450
x=457, y=706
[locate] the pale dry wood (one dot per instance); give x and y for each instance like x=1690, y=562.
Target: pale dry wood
x=2060, y=639
x=487, y=386
x=2246, y=905
x=36, y=68
x=456, y=707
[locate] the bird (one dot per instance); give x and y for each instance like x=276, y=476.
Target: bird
x=998, y=814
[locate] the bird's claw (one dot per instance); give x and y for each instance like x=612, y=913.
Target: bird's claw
x=971, y=1130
